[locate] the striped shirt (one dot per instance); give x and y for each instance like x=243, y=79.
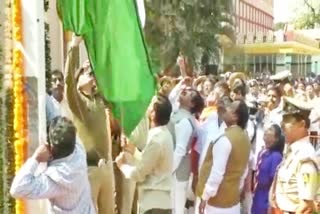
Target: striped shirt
x=64, y=182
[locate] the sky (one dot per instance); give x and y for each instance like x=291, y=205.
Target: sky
x=284, y=10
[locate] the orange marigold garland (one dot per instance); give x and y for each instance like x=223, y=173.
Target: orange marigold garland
x=20, y=120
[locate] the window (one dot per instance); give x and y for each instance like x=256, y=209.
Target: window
x=248, y=27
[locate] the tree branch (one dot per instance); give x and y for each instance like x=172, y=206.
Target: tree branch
x=313, y=10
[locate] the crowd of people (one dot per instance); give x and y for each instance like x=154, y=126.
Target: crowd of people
x=208, y=144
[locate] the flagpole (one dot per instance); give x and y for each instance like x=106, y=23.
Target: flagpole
x=34, y=55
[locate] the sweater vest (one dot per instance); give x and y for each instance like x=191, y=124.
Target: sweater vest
x=228, y=193
x=184, y=169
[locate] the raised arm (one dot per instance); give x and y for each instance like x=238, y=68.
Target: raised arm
x=76, y=104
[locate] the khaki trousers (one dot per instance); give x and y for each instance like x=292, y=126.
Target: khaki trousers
x=125, y=194
x=102, y=188
x=125, y=199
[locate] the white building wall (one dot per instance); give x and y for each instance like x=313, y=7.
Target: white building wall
x=56, y=37
x=34, y=66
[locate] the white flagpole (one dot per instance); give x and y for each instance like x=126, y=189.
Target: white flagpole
x=34, y=64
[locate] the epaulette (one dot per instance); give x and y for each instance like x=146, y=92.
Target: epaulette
x=310, y=160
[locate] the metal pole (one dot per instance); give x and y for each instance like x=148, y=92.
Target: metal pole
x=267, y=62
x=272, y=66
x=260, y=66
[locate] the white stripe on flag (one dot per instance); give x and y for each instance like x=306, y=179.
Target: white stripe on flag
x=141, y=12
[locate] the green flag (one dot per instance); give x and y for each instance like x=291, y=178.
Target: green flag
x=117, y=52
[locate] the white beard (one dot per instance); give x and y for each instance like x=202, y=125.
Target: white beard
x=141, y=12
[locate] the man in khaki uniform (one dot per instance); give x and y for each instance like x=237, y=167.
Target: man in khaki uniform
x=295, y=184
x=89, y=112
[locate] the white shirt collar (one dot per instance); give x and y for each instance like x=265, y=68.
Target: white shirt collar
x=184, y=111
x=54, y=100
x=278, y=109
x=299, y=144
x=156, y=130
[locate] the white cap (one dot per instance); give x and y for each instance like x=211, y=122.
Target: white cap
x=281, y=75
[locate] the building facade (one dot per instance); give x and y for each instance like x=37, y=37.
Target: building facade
x=260, y=51
x=253, y=15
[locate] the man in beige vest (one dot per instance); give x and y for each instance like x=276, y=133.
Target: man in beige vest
x=225, y=164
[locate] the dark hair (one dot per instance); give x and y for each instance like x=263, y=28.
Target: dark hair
x=57, y=72
x=224, y=85
x=197, y=101
x=277, y=90
x=163, y=109
x=279, y=144
x=242, y=113
x=223, y=102
x=239, y=86
x=62, y=137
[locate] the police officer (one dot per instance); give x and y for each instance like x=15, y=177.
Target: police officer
x=295, y=183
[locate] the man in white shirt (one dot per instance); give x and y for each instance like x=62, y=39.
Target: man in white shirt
x=56, y=105
x=183, y=128
x=65, y=181
x=224, y=168
x=153, y=167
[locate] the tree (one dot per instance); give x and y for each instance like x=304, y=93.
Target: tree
x=279, y=26
x=188, y=27
x=310, y=18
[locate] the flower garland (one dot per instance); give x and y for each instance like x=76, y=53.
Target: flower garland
x=20, y=117
x=9, y=202
x=47, y=49
x=8, y=149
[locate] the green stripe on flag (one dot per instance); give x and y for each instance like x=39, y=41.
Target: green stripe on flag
x=117, y=52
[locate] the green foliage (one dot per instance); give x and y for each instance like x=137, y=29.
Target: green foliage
x=310, y=18
x=307, y=21
x=279, y=26
x=190, y=26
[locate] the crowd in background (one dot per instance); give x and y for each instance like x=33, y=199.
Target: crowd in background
x=208, y=144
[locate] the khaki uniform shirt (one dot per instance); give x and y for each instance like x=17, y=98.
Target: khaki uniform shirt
x=297, y=176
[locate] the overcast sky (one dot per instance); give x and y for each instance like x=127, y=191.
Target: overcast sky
x=284, y=10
